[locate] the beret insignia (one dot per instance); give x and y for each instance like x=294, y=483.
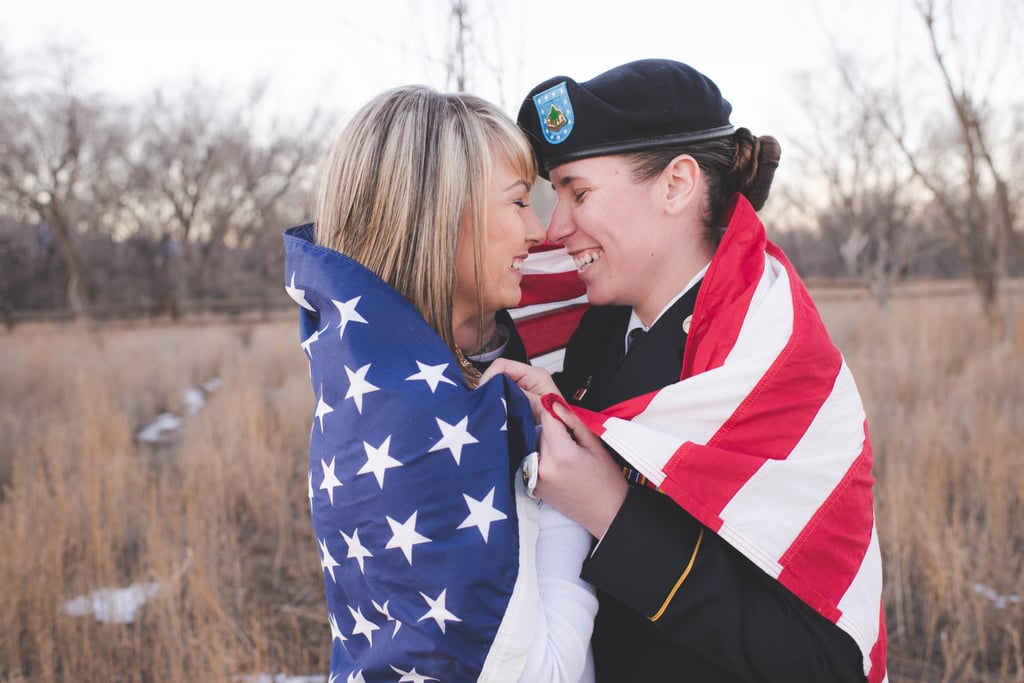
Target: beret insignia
x=555, y=112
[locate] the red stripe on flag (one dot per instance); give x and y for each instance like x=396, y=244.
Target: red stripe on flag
x=696, y=474
x=769, y=422
x=593, y=421
x=829, y=551
x=550, y=330
x=877, y=656
x=777, y=412
x=545, y=246
x=631, y=407
x=546, y=288
x=725, y=295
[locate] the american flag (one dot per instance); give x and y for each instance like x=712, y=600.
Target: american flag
x=410, y=485
x=554, y=299
x=764, y=439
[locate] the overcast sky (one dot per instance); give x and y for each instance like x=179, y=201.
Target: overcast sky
x=333, y=55
x=336, y=54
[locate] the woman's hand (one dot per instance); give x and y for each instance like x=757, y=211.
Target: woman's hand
x=535, y=382
x=577, y=476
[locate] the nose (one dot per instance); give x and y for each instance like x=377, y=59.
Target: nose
x=560, y=226
x=534, y=228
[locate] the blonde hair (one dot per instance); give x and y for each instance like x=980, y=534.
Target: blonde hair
x=409, y=171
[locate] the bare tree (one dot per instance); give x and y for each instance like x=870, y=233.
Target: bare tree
x=57, y=148
x=961, y=165
x=860, y=188
x=262, y=189
x=208, y=177
x=476, y=57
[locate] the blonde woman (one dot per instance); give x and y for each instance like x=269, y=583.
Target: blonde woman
x=437, y=563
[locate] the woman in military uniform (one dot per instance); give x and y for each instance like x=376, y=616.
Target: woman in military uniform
x=740, y=544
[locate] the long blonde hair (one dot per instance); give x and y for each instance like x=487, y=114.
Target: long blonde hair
x=408, y=172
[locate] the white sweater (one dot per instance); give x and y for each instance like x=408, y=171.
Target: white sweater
x=560, y=649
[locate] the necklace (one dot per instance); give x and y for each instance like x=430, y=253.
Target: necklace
x=469, y=370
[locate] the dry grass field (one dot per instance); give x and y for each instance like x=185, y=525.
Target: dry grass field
x=215, y=521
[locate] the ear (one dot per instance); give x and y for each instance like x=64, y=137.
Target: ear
x=680, y=181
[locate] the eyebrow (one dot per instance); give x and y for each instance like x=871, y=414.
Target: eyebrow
x=517, y=183
x=565, y=181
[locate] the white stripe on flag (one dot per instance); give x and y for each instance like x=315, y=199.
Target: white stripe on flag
x=768, y=324
x=551, y=361
x=548, y=262
x=770, y=506
x=535, y=309
x=860, y=603
x=647, y=450
x=695, y=408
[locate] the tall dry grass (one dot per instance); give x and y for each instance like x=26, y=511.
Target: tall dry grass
x=945, y=406
x=220, y=519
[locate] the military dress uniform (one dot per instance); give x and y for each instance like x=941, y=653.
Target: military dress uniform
x=676, y=601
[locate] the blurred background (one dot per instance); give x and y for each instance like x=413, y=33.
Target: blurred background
x=154, y=401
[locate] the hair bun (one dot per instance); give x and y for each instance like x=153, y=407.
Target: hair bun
x=764, y=159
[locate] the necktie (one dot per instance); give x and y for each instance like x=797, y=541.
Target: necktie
x=633, y=335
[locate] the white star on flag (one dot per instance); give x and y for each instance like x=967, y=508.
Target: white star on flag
x=482, y=513
x=504, y=407
x=405, y=536
x=310, y=492
x=412, y=676
x=298, y=295
x=363, y=626
x=330, y=481
x=348, y=312
x=432, y=375
x=358, y=386
x=454, y=437
x=327, y=561
x=322, y=408
x=378, y=461
x=383, y=609
x=356, y=677
x=336, y=630
x=438, y=612
x=356, y=549
x=311, y=340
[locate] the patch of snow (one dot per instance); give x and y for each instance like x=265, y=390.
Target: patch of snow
x=112, y=605
x=161, y=429
x=194, y=400
x=1000, y=601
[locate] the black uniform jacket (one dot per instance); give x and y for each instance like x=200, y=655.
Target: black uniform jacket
x=677, y=603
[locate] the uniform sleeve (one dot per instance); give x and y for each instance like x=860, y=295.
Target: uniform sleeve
x=700, y=592
x=560, y=649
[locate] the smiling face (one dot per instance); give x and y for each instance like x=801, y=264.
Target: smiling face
x=631, y=241
x=609, y=225
x=510, y=228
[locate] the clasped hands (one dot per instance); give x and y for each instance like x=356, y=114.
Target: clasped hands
x=576, y=474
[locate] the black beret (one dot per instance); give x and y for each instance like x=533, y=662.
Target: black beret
x=636, y=106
